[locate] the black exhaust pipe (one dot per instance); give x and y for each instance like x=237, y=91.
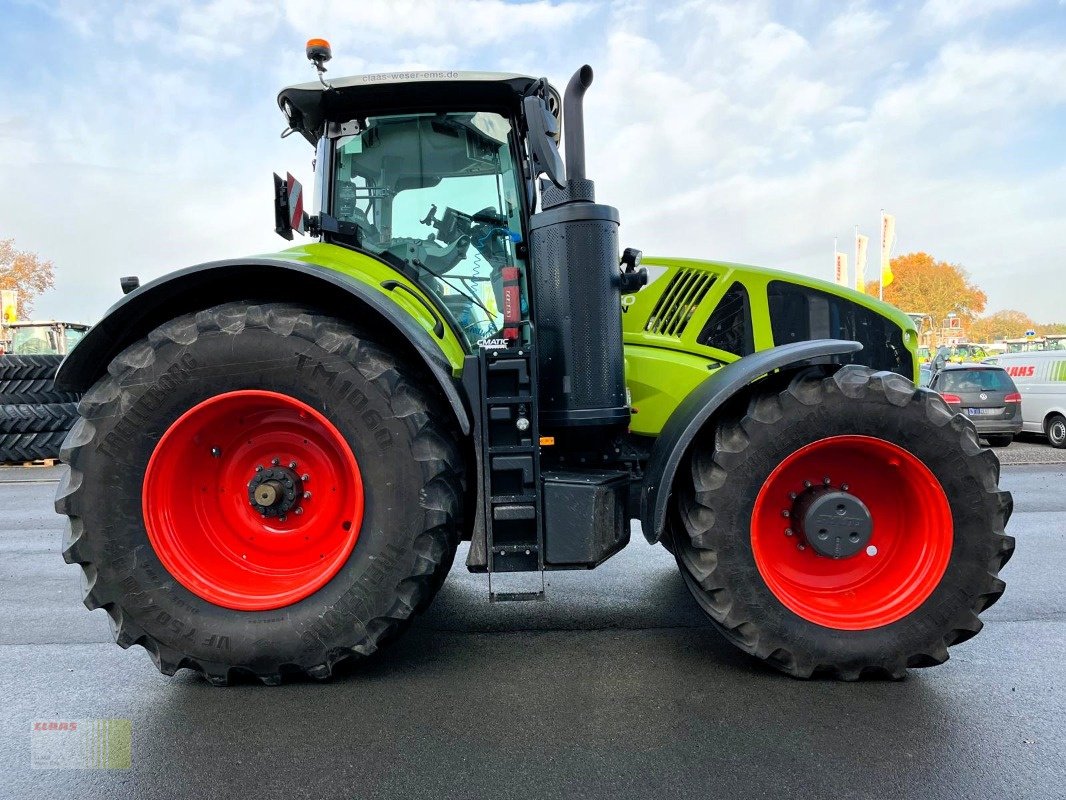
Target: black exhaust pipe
x=574, y=123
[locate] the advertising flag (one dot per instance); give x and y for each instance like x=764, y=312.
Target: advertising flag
x=861, y=243
x=9, y=300
x=842, y=269
x=888, y=237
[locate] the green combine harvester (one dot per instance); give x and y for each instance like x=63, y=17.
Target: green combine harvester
x=278, y=456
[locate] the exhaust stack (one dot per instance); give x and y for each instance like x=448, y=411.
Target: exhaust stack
x=574, y=123
x=573, y=242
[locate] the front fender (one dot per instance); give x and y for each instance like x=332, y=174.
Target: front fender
x=271, y=280
x=695, y=410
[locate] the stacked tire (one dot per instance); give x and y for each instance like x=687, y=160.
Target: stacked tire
x=34, y=415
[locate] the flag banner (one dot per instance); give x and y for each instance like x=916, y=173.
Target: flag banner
x=842, y=269
x=861, y=246
x=9, y=301
x=888, y=237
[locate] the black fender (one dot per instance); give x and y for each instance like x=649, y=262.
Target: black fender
x=264, y=280
x=696, y=409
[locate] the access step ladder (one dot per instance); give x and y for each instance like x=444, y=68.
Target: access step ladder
x=511, y=459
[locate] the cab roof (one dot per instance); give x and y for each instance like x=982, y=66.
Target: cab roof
x=308, y=105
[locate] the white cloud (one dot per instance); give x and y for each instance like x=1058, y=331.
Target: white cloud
x=951, y=13
x=746, y=132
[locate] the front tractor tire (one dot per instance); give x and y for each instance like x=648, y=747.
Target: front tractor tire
x=261, y=490
x=843, y=524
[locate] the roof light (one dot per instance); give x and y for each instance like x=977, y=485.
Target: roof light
x=319, y=52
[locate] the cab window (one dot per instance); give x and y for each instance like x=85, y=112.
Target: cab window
x=437, y=193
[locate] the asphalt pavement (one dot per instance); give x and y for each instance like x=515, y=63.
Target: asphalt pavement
x=615, y=687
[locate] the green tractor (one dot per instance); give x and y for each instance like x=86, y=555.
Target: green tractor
x=278, y=456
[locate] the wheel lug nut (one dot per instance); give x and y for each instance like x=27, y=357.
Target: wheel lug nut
x=788, y=531
x=792, y=495
x=786, y=513
x=215, y=452
x=275, y=461
x=281, y=518
x=258, y=467
x=801, y=546
x=307, y=495
x=843, y=487
x=826, y=481
x=292, y=465
x=298, y=511
x=806, y=484
x=305, y=477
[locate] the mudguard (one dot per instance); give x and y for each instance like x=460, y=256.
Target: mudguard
x=694, y=411
x=264, y=279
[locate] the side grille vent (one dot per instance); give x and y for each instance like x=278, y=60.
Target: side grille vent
x=682, y=297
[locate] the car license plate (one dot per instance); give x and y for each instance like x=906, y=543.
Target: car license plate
x=983, y=412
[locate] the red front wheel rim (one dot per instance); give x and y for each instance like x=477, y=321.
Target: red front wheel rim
x=893, y=573
x=252, y=500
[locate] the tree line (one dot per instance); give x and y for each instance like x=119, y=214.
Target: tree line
x=940, y=289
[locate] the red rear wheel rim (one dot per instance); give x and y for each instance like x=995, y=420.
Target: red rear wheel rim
x=199, y=512
x=907, y=553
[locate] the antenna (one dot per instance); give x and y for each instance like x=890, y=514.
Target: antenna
x=318, y=53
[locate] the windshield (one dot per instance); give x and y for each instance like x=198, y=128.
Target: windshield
x=975, y=380
x=439, y=193
x=72, y=336
x=35, y=340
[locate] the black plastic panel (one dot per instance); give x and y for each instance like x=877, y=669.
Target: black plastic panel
x=585, y=518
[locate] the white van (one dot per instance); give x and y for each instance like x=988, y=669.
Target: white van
x=1041, y=379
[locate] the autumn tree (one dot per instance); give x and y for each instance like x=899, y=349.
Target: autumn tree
x=1001, y=325
x=27, y=273
x=937, y=288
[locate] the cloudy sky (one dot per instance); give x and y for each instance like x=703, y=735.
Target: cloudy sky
x=139, y=137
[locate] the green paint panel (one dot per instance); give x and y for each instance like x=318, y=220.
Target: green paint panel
x=371, y=272
x=658, y=380
x=662, y=322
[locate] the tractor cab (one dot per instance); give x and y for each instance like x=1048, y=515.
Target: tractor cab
x=429, y=172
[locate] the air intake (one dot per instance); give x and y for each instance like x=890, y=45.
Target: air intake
x=682, y=297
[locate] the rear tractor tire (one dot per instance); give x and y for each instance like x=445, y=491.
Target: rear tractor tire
x=261, y=490
x=846, y=525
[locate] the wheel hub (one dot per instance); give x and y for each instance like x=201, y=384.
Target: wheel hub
x=803, y=521
x=275, y=491
x=227, y=505
x=835, y=523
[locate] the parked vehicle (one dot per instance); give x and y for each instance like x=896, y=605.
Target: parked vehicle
x=39, y=338
x=964, y=353
x=1037, y=344
x=986, y=395
x=1041, y=378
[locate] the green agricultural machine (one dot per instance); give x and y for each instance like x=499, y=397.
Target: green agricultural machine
x=278, y=456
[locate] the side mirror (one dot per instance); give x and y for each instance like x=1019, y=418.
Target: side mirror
x=543, y=132
x=289, y=213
